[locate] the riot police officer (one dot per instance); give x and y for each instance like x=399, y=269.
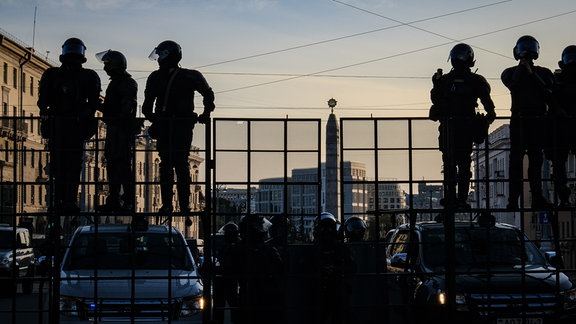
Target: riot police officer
x=332, y=262
x=454, y=100
x=530, y=88
x=562, y=139
x=119, y=114
x=354, y=229
x=68, y=97
x=226, y=280
x=169, y=105
x=261, y=269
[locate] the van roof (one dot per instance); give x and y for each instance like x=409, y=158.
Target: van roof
x=115, y=228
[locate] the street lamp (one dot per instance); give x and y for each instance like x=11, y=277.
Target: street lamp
x=332, y=103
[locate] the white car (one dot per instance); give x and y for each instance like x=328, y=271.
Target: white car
x=112, y=273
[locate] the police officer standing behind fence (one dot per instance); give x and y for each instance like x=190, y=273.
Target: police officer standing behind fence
x=562, y=139
x=454, y=100
x=332, y=262
x=169, y=105
x=530, y=89
x=67, y=98
x=119, y=114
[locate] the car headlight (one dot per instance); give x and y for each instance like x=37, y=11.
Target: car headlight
x=192, y=306
x=570, y=299
x=69, y=306
x=442, y=299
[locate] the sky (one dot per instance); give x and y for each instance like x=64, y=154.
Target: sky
x=278, y=58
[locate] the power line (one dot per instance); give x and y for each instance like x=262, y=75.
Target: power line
x=348, y=36
x=410, y=24
x=397, y=55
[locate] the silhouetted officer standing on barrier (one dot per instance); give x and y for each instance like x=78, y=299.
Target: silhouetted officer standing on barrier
x=562, y=138
x=530, y=88
x=119, y=114
x=68, y=97
x=454, y=100
x=169, y=105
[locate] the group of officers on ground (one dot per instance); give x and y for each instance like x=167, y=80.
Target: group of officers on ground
x=260, y=278
x=543, y=115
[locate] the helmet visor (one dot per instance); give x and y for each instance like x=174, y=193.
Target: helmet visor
x=158, y=54
x=569, y=58
x=73, y=48
x=102, y=57
x=528, y=47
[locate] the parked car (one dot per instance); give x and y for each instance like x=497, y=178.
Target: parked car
x=500, y=276
x=118, y=273
x=16, y=259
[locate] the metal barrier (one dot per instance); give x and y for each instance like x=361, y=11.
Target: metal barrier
x=389, y=172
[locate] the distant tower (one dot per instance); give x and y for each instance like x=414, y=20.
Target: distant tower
x=332, y=188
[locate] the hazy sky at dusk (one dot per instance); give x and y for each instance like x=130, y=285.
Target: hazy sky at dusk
x=272, y=58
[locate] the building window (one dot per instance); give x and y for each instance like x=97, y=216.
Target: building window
x=32, y=86
x=5, y=73
x=32, y=120
x=15, y=78
x=23, y=82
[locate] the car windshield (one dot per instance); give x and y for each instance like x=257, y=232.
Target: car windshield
x=127, y=250
x=6, y=239
x=477, y=247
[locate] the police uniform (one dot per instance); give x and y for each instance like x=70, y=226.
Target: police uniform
x=455, y=98
x=530, y=94
x=67, y=98
x=562, y=138
x=119, y=114
x=174, y=119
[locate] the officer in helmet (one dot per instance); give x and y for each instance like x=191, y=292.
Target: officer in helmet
x=562, y=139
x=226, y=274
x=68, y=97
x=119, y=114
x=454, y=100
x=354, y=229
x=530, y=88
x=169, y=105
x=261, y=270
x=332, y=262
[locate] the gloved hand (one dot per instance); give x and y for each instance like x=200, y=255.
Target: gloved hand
x=204, y=118
x=436, y=77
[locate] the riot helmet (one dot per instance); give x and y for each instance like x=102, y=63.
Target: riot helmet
x=354, y=229
x=231, y=232
x=568, y=56
x=253, y=225
x=168, y=53
x=526, y=47
x=326, y=226
x=462, y=54
x=114, y=61
x=73, y=48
